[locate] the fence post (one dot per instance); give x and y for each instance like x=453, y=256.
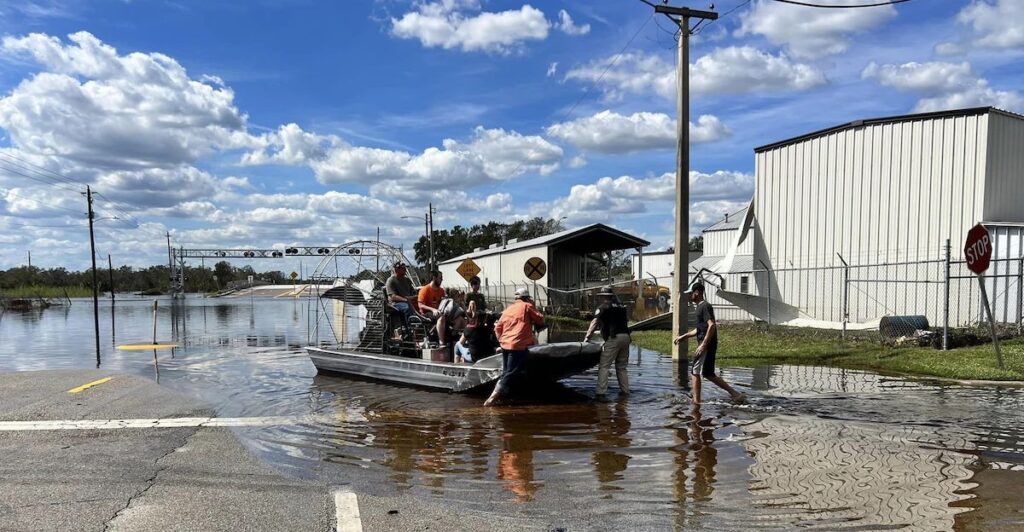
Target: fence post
x=768, y=274
x=846, y=293
x=1020, y=293
x=945, y=303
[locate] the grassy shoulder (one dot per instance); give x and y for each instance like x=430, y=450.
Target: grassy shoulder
x=748, y=345
x=45, y=291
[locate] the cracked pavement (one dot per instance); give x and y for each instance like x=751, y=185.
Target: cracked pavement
x=188, y=478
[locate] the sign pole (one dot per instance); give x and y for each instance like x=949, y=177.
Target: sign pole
x=991, y=321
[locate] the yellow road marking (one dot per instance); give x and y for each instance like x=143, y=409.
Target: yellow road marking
x=145, y=347
x=88, y=385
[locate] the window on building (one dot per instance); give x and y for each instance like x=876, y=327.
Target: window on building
x=744, y=284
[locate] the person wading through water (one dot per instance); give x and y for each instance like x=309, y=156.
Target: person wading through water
x=610, y=317
x=515, y=334
x=707, y=345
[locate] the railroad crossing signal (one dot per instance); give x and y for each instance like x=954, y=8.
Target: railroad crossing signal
x=468, y=269
x=535, y=268
x=978, y=249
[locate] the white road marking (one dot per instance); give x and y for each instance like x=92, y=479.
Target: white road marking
x=167, y=422
x=346, y=506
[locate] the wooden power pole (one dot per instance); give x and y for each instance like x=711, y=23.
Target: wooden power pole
x=95, y=283
x=681, y=17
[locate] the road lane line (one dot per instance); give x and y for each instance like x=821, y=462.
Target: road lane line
x=88, y=385
x=346, y=512
x=156, y=423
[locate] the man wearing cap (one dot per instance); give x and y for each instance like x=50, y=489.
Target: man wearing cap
x=515, y=334
x=611, y=318
x=401, y=292
x=707, y=345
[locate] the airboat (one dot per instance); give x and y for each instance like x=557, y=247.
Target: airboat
x=358, y=333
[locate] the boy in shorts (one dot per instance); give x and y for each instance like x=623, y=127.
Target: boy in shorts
x=707, y=345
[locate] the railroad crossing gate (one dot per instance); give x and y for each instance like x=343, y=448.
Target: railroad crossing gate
x=535, y=268
x=978, y=249
x=468, y=269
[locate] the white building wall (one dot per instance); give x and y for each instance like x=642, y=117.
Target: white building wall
x=1004, y=187
x=659, y=265
x=882, y=193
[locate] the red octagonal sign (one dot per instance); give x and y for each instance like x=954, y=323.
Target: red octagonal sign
x=978, y=249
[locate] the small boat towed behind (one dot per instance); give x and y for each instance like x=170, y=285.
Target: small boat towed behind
x=363, y=339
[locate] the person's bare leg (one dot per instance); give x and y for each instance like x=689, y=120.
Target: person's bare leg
x=725, y=386
x=695, y=386
x=441, y=326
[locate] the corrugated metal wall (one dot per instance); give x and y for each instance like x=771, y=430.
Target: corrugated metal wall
x=878, y=194
x=1004, y=188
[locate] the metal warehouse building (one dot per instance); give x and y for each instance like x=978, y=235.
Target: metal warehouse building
x=569, y=255
x=855, y=218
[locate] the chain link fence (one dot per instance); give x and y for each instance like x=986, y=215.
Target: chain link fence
x=929, y=302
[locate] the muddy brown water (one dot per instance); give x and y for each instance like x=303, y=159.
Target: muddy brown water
x=816, y=447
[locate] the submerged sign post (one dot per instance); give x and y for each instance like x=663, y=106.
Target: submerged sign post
x=978, y=252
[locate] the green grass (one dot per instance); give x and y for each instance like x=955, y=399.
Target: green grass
x=747, y=345
x=567, y=323
x=45, y=291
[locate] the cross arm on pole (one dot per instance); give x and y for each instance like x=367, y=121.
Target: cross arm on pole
x=685, y=12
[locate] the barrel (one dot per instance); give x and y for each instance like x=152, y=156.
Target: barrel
x=896, y=326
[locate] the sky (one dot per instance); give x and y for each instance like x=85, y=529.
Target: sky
x=271, y=123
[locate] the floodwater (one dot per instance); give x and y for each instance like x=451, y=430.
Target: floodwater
x=816, y=447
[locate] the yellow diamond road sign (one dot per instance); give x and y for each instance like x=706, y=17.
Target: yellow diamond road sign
x=468, y=269
x=535, y=268
x=294, y=275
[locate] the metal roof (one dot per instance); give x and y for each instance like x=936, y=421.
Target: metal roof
x=887, y=120
x=594, y=238
x=732, y=221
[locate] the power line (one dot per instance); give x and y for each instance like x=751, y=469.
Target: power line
x=841, y=6
x=723, y=15
x=38, y=170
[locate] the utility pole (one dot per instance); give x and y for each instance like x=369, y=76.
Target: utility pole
x=95, y=284
x=30, y=261
x=170, y=264
x=110, y=270
x=680, y=318
x=430, y=234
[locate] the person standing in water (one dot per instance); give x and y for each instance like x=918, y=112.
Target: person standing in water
x=707, y=345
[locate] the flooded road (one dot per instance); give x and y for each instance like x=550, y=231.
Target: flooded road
x=816, y=447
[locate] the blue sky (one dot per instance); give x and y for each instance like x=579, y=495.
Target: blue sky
x=271, y=123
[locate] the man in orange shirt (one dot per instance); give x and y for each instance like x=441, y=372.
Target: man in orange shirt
x=430, y=297
x=515, y=335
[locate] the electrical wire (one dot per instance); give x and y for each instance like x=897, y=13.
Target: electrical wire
x=841, y=6
x=723, y=15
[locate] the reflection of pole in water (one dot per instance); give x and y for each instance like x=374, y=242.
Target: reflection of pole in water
x=156, y=366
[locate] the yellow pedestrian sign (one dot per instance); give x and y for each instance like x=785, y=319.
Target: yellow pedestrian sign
x=468, y=269
x=535, y=268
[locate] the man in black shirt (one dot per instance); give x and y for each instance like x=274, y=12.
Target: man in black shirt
x=610, y=317
x=707, y=345
x=475, y=301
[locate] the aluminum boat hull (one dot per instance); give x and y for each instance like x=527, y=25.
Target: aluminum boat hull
x=545, y=363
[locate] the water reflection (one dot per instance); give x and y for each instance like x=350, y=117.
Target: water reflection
x=817, y=447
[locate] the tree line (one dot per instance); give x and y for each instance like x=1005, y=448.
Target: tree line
x=154, y=279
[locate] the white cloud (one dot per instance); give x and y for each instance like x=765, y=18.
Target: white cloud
x=445, y=24
x=159, y=187
x=630, y=195
x=566, y=24
x=552, y=69
x=609, y=132
x=730, y=70
x=101, y=109
x=739, y=69
x=943, y=85
x=995, y=24
x=811, y=33
x=490, y=154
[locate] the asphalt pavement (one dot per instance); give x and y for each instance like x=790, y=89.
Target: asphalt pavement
x=157, y=465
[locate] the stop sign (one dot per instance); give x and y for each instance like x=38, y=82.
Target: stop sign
x=978, y=249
